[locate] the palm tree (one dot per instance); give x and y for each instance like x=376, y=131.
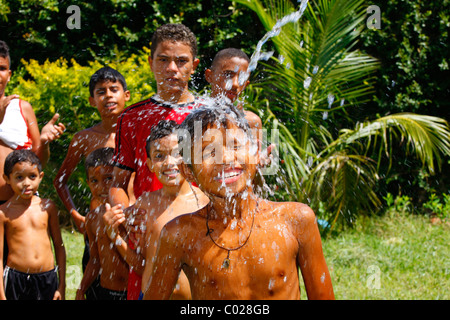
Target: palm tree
x=318, y=78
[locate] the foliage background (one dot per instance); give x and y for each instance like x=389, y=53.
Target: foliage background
x=52, y=64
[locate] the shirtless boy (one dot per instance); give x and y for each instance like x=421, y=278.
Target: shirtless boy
x=109, y=94
x=30, y=225
x=239, y=246
x=104, y=259
x=227, y=69
x=175, y=198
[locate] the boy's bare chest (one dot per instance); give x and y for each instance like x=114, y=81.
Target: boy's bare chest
x=28, y=221
x=265, y=264
x=95, y=140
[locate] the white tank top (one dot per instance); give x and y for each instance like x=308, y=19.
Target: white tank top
x=13, y=129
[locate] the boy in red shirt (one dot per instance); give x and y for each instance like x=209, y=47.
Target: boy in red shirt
x=172, y=61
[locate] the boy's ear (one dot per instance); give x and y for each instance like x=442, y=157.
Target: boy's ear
x=208, y=75
x=246, y=84
x=150, y=62
x=91, y=101
x=41, y=175
x=149, y=164
x=195, y=65
x=186, y=172
x=6, y=178
x=127, y=95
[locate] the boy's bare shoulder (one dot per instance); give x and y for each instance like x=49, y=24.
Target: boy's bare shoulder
x=290, y=211
x=86, y=133
x=187, y=223
x=253, y=119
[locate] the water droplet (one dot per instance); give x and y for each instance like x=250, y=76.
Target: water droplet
x=307, y=82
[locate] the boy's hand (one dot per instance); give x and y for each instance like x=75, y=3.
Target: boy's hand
x=266, y=156
x=58, y=295
x=113, y=218
x=136, y=224
x=52, y=131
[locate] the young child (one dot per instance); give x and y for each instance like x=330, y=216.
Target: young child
x=109, y=94
x=18, y=124
x=30, y=225
x=239, y=246
x=104, y=259
x=175, y=198
x=172, y=61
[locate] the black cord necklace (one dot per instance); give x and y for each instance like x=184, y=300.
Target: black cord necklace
x=227, y=261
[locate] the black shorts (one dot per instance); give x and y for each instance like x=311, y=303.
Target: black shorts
x=106, y=294
x=30, y=286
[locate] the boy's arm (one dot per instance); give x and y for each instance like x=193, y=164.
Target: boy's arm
x=60, y=252
x=150, y=245
x=2, y=237
x=164, y=271
x=33, y=130
x=50, y=132
x=310, y=257
x=93, y=267
x=118, y=191
x=114, y=218
x=73, y=157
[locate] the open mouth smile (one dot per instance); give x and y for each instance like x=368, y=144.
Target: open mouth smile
x=229, y=176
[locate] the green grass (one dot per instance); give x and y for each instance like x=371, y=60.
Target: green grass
x=74, y=244
x=397, y=256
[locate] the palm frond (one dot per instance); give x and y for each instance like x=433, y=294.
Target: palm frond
x=427, y=137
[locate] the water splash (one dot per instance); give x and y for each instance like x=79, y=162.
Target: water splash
x=258, y=55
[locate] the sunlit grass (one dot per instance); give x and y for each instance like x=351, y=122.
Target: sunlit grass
x=398, y=256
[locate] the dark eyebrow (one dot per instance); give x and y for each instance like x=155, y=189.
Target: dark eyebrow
x=185, y=56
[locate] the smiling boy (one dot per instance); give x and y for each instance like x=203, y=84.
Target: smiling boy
x=239, y=246
x=109, y=94
x=175, y=198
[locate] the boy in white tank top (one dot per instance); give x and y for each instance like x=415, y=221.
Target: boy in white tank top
x=18, y=124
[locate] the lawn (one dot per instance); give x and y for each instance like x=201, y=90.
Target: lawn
x=397, y=256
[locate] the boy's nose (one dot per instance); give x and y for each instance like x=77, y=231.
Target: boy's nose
x=172, y=66
x=235, y=82
x=229, y=155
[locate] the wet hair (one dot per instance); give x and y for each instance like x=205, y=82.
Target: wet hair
x=220, y=113
x=4, y=51
x=161, y=130
x=106, y=74
x=18, y=156
x=229, y=53
x=176, y=33
x=99, y=157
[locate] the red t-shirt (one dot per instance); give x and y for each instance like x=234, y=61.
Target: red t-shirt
x=133, y=128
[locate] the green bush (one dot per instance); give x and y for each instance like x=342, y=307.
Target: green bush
x=62, y=87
